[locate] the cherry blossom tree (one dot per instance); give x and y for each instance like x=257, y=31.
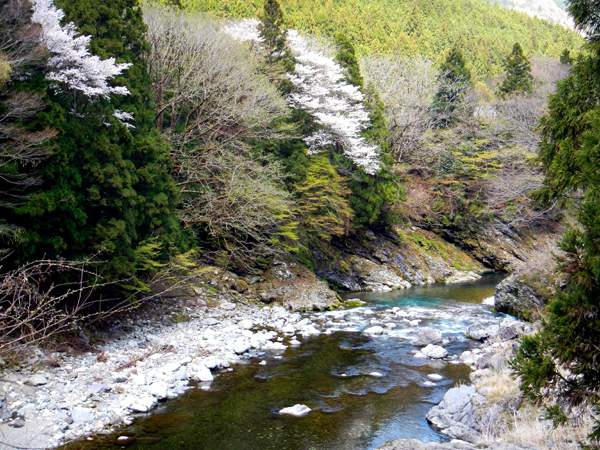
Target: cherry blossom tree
x=321, y=90
x=71, y=64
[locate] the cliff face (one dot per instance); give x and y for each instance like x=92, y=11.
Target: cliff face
x=393, y=260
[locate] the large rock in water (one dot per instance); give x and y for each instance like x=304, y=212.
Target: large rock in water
x=456, y=415
x=516, y=297
x=434, y=351
x=376, y=277
x=427, y=336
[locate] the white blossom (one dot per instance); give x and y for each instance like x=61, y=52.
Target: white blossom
x=322, y=91
x=71, y=63
x=123, y=117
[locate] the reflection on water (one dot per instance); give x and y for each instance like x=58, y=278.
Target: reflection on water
x=330, y=373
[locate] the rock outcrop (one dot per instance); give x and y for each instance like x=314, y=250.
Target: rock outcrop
x=393, y=260
x=295, y=287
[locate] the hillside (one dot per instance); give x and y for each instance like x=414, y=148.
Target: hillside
x=551, y=10
x=485, y=32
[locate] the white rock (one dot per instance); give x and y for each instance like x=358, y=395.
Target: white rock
x=296, y=410
x=241, y=346
x=82, y=415
x=419, y=355
x=414, y=323
x=376, y=374
x=429, y=384
x=376, y=330
x=288, y=329
x=434, y=351
x=159, y=390
x=390, y=325
x=199, y=372
x=295, y=342
x=246, y=324
x=143, y=404
x=435, y=377
x=37, y=380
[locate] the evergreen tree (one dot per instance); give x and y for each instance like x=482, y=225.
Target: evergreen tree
x=273, y=32
x=346, y=57
x=372, y=194
x=518, y=74
x=107, y=187
x=454, y=80
x=562, y=360
x=565, y=57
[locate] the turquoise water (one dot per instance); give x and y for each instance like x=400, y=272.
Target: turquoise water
x=330, y=373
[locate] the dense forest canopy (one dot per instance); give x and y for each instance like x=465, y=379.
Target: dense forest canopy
x=484, y=32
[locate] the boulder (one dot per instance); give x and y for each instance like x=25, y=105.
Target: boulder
x=434, y=351
x=374, y=331
x=427, y=336
x=143, y=404
x=199, y=372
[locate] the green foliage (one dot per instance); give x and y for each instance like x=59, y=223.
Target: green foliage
x=518, y=74
x=565, y=57
x=570, y=154
x=272, y=29
x=346, y=57
x=454, y=80
x=484, y=32
x=323, y=200
x=107, y=188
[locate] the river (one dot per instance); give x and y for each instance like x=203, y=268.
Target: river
x=363, y=390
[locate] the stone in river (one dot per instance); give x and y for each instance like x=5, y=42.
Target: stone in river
x=435, y=377
x=376, y=330
x=427, y=336
x=296, y=410
x=434, y=351
x=159, y=390
x=376, y=374
x=144, y=404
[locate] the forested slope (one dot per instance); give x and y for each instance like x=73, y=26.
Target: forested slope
x=485, y=32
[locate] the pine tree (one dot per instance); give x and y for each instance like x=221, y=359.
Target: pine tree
x=273, y=32
x=454, y=80
x=107, y=187
x=518, y=74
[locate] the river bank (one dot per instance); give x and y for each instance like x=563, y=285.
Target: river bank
x=147, y=359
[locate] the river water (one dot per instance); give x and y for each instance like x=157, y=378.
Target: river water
x=363, y=390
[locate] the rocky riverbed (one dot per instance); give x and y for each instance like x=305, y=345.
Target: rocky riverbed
x=146, y=361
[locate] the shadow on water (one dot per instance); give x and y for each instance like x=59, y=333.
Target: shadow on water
x=329, y=373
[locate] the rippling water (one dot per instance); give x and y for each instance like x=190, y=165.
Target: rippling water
x=333, y=374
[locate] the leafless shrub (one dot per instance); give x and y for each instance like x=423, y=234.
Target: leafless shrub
x=33, y=307
x=406, y=87
x=209, y=89
x=239, y=201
